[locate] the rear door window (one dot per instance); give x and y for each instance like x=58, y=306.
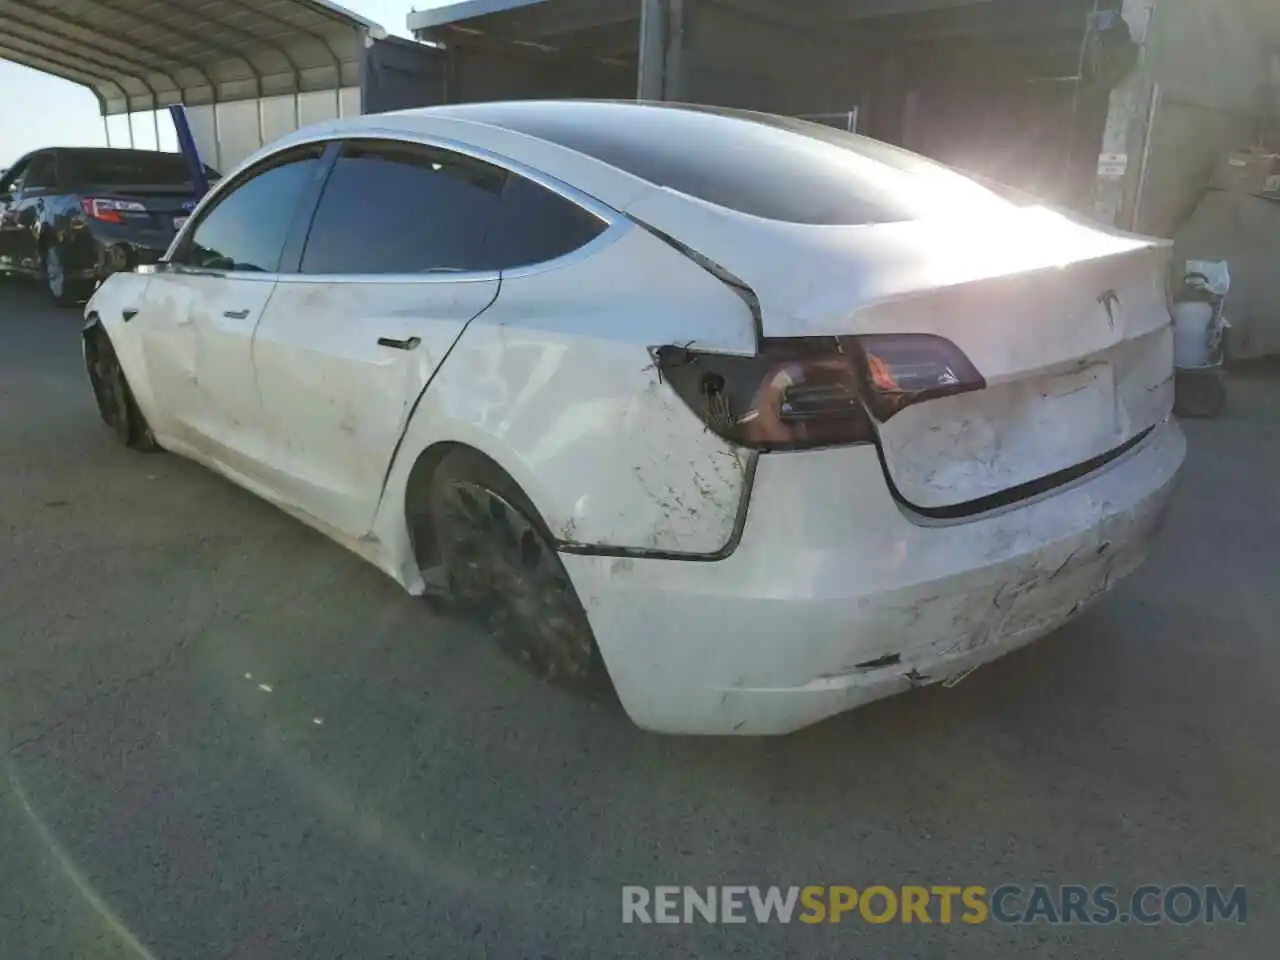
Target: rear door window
x=247, y=228
x=534, y=225
x=396, y=208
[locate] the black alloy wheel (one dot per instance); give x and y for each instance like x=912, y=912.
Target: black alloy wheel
x=502, y=568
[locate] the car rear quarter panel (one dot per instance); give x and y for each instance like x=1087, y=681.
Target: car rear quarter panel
x=556, y=384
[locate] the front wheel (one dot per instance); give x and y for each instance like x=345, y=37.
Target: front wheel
x=502, y=568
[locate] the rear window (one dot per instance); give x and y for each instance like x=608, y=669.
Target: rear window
x=764, y=165
x=131, y=168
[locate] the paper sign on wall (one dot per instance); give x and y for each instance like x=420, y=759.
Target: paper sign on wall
x=1113, y=165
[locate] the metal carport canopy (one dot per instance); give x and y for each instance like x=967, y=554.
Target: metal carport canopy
x=147, y=54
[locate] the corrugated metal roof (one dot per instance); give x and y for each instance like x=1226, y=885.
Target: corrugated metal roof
x=455, y=10
x=811, y=12
x=147, y=54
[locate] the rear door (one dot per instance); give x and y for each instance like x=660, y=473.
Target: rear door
x=394, y=269
x=202, y=308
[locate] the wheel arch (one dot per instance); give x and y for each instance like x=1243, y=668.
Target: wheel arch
x=417, y=488
x=587, y=671
x=92, y=329
x=104, y=314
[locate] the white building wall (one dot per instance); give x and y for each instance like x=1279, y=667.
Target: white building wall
x=230, y=132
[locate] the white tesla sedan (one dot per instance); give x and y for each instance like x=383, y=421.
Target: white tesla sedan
x=754, y=420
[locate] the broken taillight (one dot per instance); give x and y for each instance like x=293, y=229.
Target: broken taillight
x=799, y=394
x=903, y=369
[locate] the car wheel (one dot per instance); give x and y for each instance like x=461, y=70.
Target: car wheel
x=115, y=399
x=65, y=293
x=501, y=568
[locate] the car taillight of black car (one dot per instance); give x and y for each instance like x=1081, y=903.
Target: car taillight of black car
x=798, y=394
x=111, y=211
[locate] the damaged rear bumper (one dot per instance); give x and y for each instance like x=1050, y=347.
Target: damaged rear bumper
x=837, y=596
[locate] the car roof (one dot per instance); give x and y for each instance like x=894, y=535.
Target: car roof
x=120, y=151
x=503, y=113
x=619, y=152
x=492, y=128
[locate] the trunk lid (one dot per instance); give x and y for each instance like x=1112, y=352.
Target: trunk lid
x=166, y=207
x=1078, y=362
x=1067, y=323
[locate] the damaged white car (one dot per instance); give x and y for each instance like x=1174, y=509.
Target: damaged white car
x=753, y=420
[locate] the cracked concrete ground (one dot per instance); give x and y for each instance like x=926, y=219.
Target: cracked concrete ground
x=225, y=737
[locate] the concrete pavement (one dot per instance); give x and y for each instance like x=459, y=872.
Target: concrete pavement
x=223, y=736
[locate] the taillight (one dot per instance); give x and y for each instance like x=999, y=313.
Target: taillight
x=802, y=393
x=908, y=368
x=110, y=211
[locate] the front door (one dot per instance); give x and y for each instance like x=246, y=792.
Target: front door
x=197, y=335
x=202, y=308
x=392, y=273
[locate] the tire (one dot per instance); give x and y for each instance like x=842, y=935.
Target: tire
x=111, y=389
x=501, y=569
x=65, y=293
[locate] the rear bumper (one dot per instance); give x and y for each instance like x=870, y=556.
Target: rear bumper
x=836, y=597
x=119, y=249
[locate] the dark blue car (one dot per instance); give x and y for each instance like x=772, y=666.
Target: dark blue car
x=73, y=216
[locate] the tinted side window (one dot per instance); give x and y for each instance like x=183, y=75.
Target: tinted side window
x=535, y=225
x=397, y=208
x=248, y=227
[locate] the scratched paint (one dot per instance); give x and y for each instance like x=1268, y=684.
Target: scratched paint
x=753, y=645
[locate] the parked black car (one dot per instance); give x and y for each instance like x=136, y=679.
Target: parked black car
x=73, y=216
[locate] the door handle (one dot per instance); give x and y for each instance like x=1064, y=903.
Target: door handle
x=395, y=344
x=235, y=314
x=128, y=313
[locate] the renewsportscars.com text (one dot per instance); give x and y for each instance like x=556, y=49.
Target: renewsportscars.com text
x=1103, y=904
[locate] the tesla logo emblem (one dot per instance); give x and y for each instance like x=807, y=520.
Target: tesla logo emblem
x=1110, y=299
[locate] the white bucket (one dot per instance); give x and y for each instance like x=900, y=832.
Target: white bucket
x=1192, y=334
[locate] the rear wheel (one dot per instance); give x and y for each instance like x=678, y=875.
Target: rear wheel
x=115, y=399
x=64, y=291
x=501, y=567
